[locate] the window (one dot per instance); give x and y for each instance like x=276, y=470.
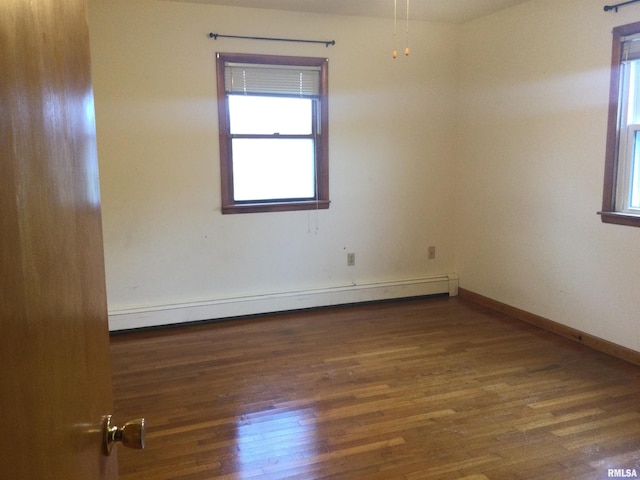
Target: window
x=273, y=121
x=621, y=193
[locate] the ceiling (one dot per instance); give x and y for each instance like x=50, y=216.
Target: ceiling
x=454, y=11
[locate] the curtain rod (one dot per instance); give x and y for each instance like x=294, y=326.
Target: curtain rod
x=326, y=43
x=615, y=7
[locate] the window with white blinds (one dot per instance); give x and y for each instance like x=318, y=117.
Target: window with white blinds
x=273, y=122
x=621, y=190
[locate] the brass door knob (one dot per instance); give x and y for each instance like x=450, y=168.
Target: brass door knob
x=130, y=435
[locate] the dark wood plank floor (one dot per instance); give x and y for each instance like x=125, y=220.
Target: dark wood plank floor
x=420, y=389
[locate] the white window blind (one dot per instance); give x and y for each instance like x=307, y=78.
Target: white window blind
x=631, y=48
x=283, y=80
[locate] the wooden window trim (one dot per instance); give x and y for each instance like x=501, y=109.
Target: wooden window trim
x=229, y=205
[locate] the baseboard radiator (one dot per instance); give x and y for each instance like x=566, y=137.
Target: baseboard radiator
x=169, y=314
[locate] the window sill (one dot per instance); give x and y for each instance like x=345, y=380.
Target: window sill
x=620, y=218
x=275, y=207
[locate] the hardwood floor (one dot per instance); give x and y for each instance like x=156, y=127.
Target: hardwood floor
x=430, y=388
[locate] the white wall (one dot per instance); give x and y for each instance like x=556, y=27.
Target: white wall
x=167, y=246
x=508, y=144
x=531, y=143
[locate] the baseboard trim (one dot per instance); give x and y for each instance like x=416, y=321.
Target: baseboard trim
x=159, y=315
x=578, y=336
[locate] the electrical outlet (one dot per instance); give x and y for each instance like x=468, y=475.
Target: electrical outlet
x=431, y=253
x=351, y=259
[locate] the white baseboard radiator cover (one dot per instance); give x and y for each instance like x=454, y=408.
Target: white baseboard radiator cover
x=157, y=315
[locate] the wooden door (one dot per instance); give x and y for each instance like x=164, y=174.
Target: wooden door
x=55, y=382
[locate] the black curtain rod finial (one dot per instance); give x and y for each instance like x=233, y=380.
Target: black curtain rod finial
x=608, y=8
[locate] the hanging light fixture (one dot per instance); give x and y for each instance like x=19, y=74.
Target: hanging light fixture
x=406, y=50
x=395, y=29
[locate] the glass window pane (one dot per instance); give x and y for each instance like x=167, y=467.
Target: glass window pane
x=634, y=191
x=632, y=70
x=269, y=115
x=267, y=169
